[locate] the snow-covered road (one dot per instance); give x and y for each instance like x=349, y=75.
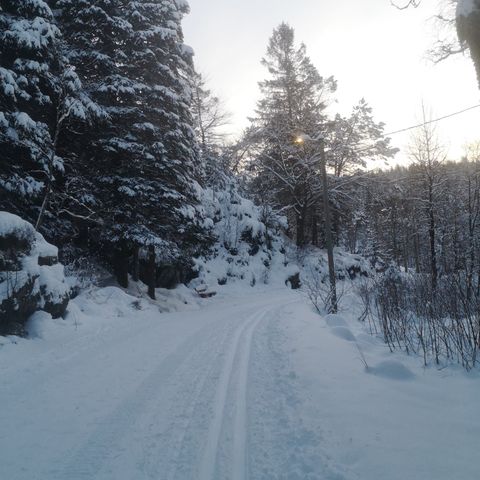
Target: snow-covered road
x=253, y=386
x=182, y=396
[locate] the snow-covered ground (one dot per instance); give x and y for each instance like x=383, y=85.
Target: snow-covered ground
x=249, y=384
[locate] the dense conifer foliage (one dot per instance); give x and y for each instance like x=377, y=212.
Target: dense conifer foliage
x=39, y=95
x=133, y=63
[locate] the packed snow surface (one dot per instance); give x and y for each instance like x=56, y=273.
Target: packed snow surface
x=249, y=384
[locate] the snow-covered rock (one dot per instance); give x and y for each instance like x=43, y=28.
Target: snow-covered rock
x=31, y=278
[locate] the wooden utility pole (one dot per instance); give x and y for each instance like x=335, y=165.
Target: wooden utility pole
x=328, y=228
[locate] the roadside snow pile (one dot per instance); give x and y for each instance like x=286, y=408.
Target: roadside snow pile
x=390, y=418
x=250, y=245
x=31, y=278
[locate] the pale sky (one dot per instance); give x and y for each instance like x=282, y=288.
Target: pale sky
x=374, y=50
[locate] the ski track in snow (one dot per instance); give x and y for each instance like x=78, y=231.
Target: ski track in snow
x=184, y=414
x=207, y=468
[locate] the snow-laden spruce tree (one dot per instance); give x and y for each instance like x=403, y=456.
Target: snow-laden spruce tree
x=39, y=95
x=97, y=35
x=286, y=174
x=293, y=102
x=142, y=160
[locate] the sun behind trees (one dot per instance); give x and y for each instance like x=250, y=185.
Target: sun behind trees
x=295, y=100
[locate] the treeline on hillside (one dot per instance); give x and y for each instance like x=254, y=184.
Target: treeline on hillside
x=423, y=217
x=297, y=104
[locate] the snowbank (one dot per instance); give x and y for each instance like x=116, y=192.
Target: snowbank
x=395, y=419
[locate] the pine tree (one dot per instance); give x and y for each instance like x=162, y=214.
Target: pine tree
x=293, y=102
x=142, y=159
x=354, y=139
x=428, y=154
x=28, y=87
x=40, y=96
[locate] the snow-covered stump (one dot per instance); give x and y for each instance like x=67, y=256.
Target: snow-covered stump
x=31, y=278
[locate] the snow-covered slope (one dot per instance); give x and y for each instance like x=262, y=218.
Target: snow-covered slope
x=250, y=248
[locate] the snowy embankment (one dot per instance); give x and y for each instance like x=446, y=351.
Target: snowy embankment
x=249, y=384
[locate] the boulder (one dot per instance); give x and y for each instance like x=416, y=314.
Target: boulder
x=294, y=281
x=16, y=308
x=31, y=278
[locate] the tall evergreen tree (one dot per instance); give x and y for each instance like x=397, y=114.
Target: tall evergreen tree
x=39, y=95
x=27, y=58
x=293, y=102
x=142, y=161
x=355, y=139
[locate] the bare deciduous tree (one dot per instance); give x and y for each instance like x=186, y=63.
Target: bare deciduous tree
x=428, y=155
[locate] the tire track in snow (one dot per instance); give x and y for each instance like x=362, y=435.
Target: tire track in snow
x=282, y=445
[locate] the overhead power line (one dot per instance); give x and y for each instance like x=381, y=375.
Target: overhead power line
x=432, y=121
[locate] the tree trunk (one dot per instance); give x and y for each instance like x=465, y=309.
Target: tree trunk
x=51, y=159
x=328, y=232
x=152, y=272
x=405, y=255
x=301, y=229
x=121, y=267
x=431, y=234
x=315, y=230
x=416, y=249
x=136, y=264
